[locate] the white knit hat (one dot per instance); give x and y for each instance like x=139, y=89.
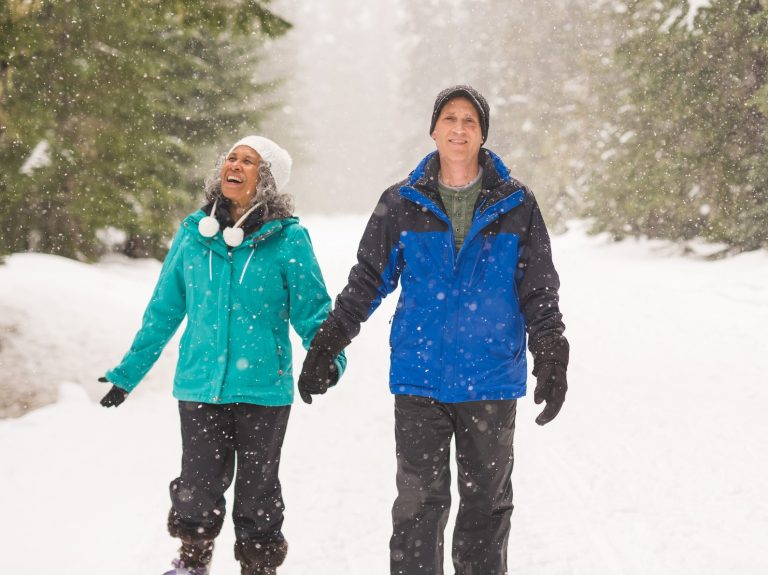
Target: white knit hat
x=279, y=160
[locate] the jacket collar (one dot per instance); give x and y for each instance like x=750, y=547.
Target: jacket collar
x=497, y=184
x=216, y=243
x=495, y=173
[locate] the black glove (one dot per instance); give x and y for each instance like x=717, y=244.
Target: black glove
x=317, y=375
x=114, y=396
x=319, y=370
x=550, y=364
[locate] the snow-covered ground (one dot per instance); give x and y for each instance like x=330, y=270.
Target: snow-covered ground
x=656, y=465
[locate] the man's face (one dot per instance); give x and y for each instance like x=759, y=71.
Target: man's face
x=457, y=131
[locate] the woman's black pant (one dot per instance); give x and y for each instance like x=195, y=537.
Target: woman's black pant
x=220, y=443
x=484, y=432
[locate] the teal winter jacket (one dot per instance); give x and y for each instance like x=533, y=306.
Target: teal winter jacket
x=238, y=303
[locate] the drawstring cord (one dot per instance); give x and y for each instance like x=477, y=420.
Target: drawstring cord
x=242, y=275
x=210, y=265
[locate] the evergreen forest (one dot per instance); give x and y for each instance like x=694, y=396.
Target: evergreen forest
x=645, y=118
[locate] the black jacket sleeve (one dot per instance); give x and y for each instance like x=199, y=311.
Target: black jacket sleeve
x=539, y=284
x=378, y=267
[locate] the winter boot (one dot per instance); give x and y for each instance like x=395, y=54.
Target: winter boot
x=260, y=558
x=194, y=558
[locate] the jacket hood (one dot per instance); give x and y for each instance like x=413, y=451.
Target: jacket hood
x=264, y=229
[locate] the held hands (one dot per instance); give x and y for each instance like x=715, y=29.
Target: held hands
x=319, y=371
x=550, y=367
x=114, y=397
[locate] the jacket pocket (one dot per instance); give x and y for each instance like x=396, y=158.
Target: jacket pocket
x=194, y=357
x=254, y=359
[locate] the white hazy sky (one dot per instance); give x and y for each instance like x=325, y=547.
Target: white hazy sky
x=343, y=62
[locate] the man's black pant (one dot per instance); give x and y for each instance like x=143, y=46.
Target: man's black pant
x=214, y=437
x=484, y=433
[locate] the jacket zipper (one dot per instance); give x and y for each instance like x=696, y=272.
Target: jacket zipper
x=457, y=307
x=253, y=251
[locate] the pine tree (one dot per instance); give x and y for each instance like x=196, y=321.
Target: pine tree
x=684, y=155
x=118, y=99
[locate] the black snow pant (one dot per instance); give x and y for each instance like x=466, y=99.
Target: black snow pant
x=484, y=433
x=216, y=439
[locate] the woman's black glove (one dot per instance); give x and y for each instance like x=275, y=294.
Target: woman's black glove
x=114, y=396
x=319, y=370
x=550, y=364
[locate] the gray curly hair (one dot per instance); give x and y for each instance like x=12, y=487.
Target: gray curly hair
x=275, y=204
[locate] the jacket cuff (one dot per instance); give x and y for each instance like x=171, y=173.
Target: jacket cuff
x=552, y=349
x=119, y=379
x=330, y=338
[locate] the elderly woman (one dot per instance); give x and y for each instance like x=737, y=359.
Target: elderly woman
x=240, y=269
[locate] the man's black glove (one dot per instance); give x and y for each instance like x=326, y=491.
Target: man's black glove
x=319, y=370
x=550, y=364
x=114, y=396
x=319, y=373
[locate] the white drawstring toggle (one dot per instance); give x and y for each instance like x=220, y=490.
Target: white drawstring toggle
x=233, y=236
x=209, y=225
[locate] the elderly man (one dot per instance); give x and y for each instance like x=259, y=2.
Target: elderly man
x=468, y=245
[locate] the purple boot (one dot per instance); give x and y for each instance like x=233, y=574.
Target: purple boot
x=194, y=558
x=180, y=569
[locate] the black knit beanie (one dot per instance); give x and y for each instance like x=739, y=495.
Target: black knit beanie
x=473, y=96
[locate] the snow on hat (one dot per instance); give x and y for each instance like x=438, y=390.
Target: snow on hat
x=279, y=160
x=463, y=90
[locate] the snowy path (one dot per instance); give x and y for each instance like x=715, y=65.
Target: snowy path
x=657, y=463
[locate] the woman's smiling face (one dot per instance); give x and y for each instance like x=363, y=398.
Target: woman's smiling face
x=240, y=175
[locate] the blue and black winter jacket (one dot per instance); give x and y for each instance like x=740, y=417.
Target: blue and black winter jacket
x=459, y=332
